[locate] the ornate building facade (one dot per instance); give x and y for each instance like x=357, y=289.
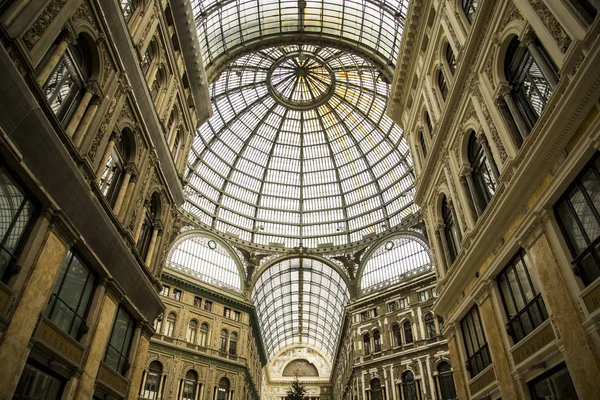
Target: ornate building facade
x=499, y=102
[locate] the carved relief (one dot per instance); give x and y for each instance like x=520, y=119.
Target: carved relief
x=83, y=12
x=494, y=132
x=106, y=121
x=558, y=33
x=33, y=35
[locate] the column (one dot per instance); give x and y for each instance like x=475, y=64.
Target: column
x=128, y=197
x=506, y=94
x=494, y=335
x=114, y=138
x=458, y=371
x=66, y=39
x=172, y=138
x=80, y=110
x=529, y=40
x=442, y=237
x=152, y=245
x=98, y=344
x=140, y=223
x=14, y=348
x=482, y=141
x=583, y=366
x=129, y=171
x=83, y=127
x=456, y=220
x=141, y=354
x=466, y=180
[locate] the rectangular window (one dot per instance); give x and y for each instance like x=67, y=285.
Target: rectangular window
x=578, y=214
x=119, y=343
x=478, y=355
x=37, y=383
x=197, y=301
x=391, y=306
x=177, y=294
x=208, y=305
x=226, y=312
x=423, y=295
x=17, y=211
x=554, y=384
x=404, y=302
x=236, y=315
x=165, y=291
x=373, y=313
x=364, y=316
x=69, y=301
x=523, y=303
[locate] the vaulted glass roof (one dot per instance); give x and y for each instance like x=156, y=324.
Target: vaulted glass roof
x=300, y=301
x=299, y=151
x=225, y=26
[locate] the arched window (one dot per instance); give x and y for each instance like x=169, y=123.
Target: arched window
x=376, y=392
x=223, y=341
x=430, y=326
x=428, y=123
x=531, y=89
x=451, y=234
x=192, y=330
x=483, y=177
x=158, y=82
x=442, y=85
x=423, y=144
x=189, y=385
x=367, y=344
x=396, y=335
x=223, y=389
x=408, y=336
x=203, y=334
x=114, y=169
x=233, y=344
x=440, y=324
x=469, y=7
x=153, y=377
x=176, y=149
x=158, y=325
x=409, y=386
x=446, y=381
x=450, y=59
x=170, y=325
x=128, y=8
x=149, y=56
x=376, y=341
x=64, y=86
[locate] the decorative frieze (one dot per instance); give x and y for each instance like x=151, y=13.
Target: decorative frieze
x=40, y=26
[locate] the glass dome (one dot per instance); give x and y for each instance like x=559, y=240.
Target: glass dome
x=299, y=150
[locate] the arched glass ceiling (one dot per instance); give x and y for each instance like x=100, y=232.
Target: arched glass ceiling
x=299, y=151
x=395, y=260
x=226, y=25
x=300, y=301
x=207, y=260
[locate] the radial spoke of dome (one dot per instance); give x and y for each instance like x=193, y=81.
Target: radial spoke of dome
x=238, y=89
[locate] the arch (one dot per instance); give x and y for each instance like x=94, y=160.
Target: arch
x=190, y=383
x=151, y=55
x=446, y=380
x=471, y=125
x=366, y=344
x=387, y=262
x=193, y=253
x=192, y=331
x=204, y=333
x=300, y=367
x=170, y=324
x=377, y=342
x=223, y=340
x=447, y=54
x=152, y=380
x=87, y=41
x=233, y=339
x=407, y=330
x=514, y=28
x=223, y=388
x=396, y=334
x=442, y=83
x=430, y=329
x=376, y=389
x=482, y=172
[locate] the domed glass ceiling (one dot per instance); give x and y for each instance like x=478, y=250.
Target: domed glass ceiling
x=299, y=150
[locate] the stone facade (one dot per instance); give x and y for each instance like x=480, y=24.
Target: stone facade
x=92, y=153
x=357, y=364
x=535, y=145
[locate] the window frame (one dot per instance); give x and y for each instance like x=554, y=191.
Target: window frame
x=479, y=357
x=123, y=353
x=480, y=166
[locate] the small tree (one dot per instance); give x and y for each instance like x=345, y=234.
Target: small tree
x=297, y=391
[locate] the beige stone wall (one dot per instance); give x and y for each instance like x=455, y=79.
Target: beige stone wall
x=533, y=168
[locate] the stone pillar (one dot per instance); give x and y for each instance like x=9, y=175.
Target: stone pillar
x=129, y=171
x=14, y=348
x=66, y=39
x=494, y=336
x=139, y=360
x=172, y=138
x=506, y=94
x=98, y=344
x=466, y=179
x=83, y=127
x=441, y=235
x=482, y=141
x=80, y=110
x=128, y=197
x=152, y=245
x=114, y=138
x=140, y=223
x=456, y=220
x=529, y=40
x=459, y=373
x=583, y=366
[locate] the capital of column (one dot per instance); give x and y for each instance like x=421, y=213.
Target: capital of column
x=483, y=292
x=465, y=170
x=439, y=228
x=93, y=88
x=157, y=225
x=528, y=38
x=147, y=202
x=115, y=136
x=504, y=90
x=68, y=36
x=130, y=169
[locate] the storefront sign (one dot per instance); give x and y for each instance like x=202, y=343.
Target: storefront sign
x=112, y=379
x=59, y=342
x=533, y=343
x=482, y=381
x=592, y=299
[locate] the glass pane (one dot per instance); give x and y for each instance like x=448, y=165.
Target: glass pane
x=571, y=226
x=584, y=213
